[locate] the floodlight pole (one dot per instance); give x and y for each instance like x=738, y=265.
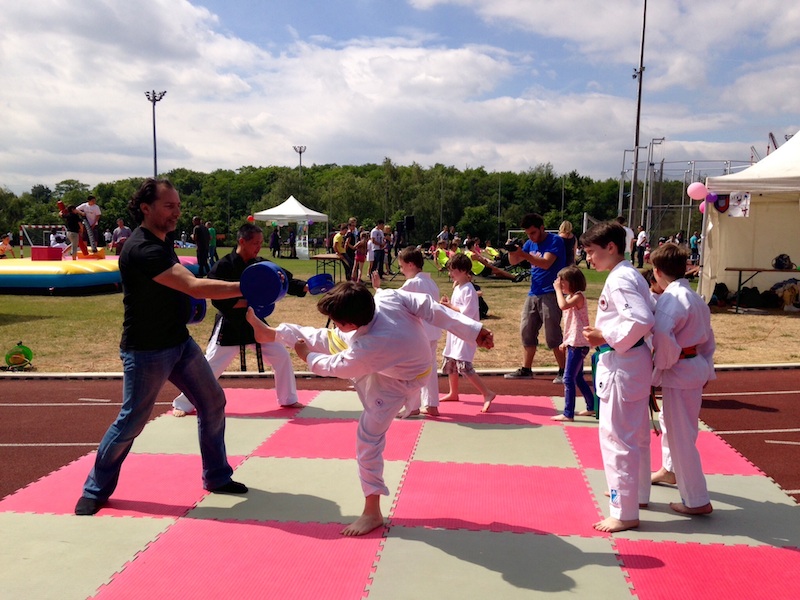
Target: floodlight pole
x=300, y=150
x=154, y=97
x=639, y=75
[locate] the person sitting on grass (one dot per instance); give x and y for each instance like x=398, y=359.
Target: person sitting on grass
x=384, y=381
x=458, y=352
x=481, y=265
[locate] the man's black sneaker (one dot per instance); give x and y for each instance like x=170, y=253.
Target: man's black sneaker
x=232, y=487
x=521, y=373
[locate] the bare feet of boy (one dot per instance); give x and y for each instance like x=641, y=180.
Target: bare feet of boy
x=487, y=402
x=431, y=411
x=448, y=398
x=585, y=413
x=612, y=525
x=561, y=418
x=663, y=476
x=294, y=405
x=177, y=412
x=679, y=507
x=370, y=519
x=263, y=332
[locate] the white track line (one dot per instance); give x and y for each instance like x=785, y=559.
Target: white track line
x=773, y=393
x=49, y=404
x=794, y=430
x=782, y=442
x=60, y=445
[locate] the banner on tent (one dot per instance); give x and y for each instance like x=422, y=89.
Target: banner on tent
x=739, y=204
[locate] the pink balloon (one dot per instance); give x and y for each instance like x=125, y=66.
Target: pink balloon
x=702, y=207
x=697, y=191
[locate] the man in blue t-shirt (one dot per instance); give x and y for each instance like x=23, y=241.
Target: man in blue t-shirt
x=547, y=256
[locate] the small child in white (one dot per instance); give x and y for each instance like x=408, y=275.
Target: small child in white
x=458, y=353
x=569, y=285
x=411, y=263
x=683, y=360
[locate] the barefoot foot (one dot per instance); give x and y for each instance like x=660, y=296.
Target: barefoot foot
x=561, y=418
x=293, y=405
x=662, y=476
x=681, y=508
x=448, y=398
x=177, y=412
x=363, y=525
x=487, y=402
x=585, y=413
x=404, y=414
x=612, y=525
x=431, y=411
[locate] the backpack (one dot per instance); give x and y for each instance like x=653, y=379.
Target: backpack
x=782, y=262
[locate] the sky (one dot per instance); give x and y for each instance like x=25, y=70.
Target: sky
x=506, y=85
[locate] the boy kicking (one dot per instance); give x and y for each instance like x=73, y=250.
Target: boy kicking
x=379, y=343
x=683, y=357
x=622, y=379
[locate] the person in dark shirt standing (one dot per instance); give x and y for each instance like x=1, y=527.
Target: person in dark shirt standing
x=156, y=347
x=74, y=226
x=231, y=329
x=201, y=238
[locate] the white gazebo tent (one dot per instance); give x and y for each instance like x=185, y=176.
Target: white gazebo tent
x=771, y=227
x=291, y=211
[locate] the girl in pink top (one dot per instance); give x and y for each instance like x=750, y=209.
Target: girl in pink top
x=569, y=286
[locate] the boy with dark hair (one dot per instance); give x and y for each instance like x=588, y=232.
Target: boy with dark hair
x=683, y=351
x=385, y=381
x=622, y=378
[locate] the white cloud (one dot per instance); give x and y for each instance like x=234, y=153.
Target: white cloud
x=719, y=75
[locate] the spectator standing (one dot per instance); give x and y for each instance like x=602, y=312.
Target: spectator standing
x=74, y=225
x=641, y=246
x=275, y=243
x=119, y=235
x=565, y=233
x=378, y=245
x=545, y=253
x=91, y=212
x=292, y=243
x=694, y=248
x=212, y=243
x=200, y=239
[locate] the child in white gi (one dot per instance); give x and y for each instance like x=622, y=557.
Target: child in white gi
x=665, y=474
x=411, y=263
x=458, y=353
x=624, y=318
x=683, y=351
x=357, y=350
x=569, y=286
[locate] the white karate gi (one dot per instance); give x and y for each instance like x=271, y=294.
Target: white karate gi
x=219, y=357
x=387, y=362
x=622, y=381
x=683, y=320
x=429, y=395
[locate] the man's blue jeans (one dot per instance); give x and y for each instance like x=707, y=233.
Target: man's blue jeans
x=145, y=373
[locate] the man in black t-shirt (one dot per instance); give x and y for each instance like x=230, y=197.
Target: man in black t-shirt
x=156, y=347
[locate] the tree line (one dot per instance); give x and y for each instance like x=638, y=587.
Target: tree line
x=481, y=203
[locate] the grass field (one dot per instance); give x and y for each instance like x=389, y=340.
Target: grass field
x=81, y=334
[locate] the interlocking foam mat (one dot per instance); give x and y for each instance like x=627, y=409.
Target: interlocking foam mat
x=495, y=505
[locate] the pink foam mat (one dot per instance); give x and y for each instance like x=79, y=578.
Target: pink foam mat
x=505, y=410
x=668, y=570
x=223, y=559
x=718, y=457
x=242, y=402
x=496, y=498
x=150, y=485
x=336, y=438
